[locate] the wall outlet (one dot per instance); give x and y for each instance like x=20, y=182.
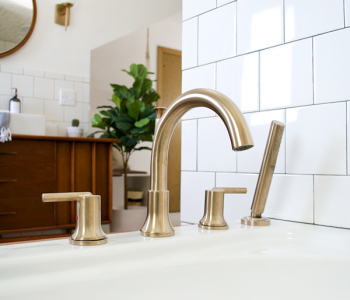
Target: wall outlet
x=67, y=97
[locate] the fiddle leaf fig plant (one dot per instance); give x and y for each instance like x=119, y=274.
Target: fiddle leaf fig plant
x=132, y=117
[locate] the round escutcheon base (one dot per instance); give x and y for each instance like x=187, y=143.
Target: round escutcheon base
x=88, y=243
x=250, y=221
x=212, y=227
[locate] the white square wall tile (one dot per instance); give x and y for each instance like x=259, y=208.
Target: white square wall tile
x=316, y=139
x=73, y=112
x=189, y=145
x=74, y=78
x=192, y=8
x=24, y=85
x=237, y=206
x=86, y=113
x=87, y=92
x=290, y=198
x=332, y=66
x=5, y=84
x=53, y=111
x=33, y=72
x=201, y=77
x=54, y=75
x=189, y=43
x=11, y=69
x=238, y=79
x=286, y=75
x=33, y=106
x=217, y=34
x=259, y=24
x=193, y=186
x=62, y=84
x=311, y=17
x=259, y=123
x=44, y=88
x=347, y=12
x=62, y=128
x=223, y=2
x=214, y=146
x=79, y=91
x=5, y=102
x=332, y=200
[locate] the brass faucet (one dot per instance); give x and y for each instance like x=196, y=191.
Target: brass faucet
x=88, y=231
x=157, y=223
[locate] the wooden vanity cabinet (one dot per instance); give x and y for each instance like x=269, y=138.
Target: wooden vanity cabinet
x=33, y=165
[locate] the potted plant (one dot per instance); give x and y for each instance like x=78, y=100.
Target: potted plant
x=74, y=130
x=131, y=119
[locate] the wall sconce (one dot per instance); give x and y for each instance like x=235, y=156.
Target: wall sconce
x=62, y=14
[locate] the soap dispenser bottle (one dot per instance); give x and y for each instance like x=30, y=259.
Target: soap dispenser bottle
x=15, y=103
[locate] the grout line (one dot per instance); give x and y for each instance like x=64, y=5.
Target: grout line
x=346, y=132
x=215, y=180
x=313, y=71
x=236, y=32
x=344, y=13
x=284, y=22
x=267, y=48
x=308, y=223
x=259, y=78
x=197, y=42
x=285, y=142
x=197, y=148
x=203, y=13
x=313, y=199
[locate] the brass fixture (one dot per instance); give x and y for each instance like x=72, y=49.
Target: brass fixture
x=157, y=223
x=62, y=14
x=213, y=218
x=88, y=231
x=265, y=176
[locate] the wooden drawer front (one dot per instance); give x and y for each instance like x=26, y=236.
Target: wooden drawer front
x=30, y=181
x=16, y=213
x=27, y=152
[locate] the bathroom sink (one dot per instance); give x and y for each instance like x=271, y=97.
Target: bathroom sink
x=283, y=261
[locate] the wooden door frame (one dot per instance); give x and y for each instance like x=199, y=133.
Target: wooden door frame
x=161, y=50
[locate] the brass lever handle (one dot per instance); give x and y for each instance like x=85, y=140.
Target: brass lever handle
x=88, y=231
x=213, y=218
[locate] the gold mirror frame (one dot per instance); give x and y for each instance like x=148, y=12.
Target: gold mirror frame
x=31, y=29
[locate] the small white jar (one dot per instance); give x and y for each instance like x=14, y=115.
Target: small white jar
x=74, y=131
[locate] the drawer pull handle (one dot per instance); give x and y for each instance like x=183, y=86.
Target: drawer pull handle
x=8, y=213
x=4, y=152
x=7, y=180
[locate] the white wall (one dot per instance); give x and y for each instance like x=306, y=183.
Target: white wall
x=93, y=24
x=277, y=60
x=108, y=60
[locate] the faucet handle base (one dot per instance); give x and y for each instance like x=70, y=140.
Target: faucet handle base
x=251, y=221
x=88, y=243
x=206, y=227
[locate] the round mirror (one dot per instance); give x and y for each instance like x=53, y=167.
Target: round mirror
x=17, y=21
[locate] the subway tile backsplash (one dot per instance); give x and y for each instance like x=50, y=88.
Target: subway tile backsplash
x=39, y=93
x=282, y=60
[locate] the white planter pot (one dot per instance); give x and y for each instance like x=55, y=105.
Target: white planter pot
x=74, y=131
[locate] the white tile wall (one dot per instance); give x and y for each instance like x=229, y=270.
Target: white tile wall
x=291, y=198
x=237, y=206
x=259, y=24
x=332, y=66
x=259, y=124
x=286, y=75
x=189, y=42
x=214, y=147
x=202, y=77
x=332, y=200
x=215, y=44
x=37, y=91
x=195, y=7
x=311, y=17
x=193, y=186
x=238, y=78
x=304, y=77
x=189, y=145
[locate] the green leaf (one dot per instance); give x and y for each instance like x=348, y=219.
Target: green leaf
x=150, y=97
x=128, y=142
x=124, y=123
x=91, y=135
x=146, y=137
x=142, y=105
x=142, y=148
x=105, y=106
x=148, y=111
x=136, y=130
x=134, y=110
x=130, y=101
x=142, y=122
x=137, y=86
x=96, y=121
x=116, y=100
x=146, y=86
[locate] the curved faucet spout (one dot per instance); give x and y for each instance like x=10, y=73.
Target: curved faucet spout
x=157, y=223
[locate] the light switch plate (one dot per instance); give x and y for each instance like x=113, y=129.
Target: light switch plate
x=67, y=97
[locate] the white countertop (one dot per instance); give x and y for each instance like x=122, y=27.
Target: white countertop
x=283, y=261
